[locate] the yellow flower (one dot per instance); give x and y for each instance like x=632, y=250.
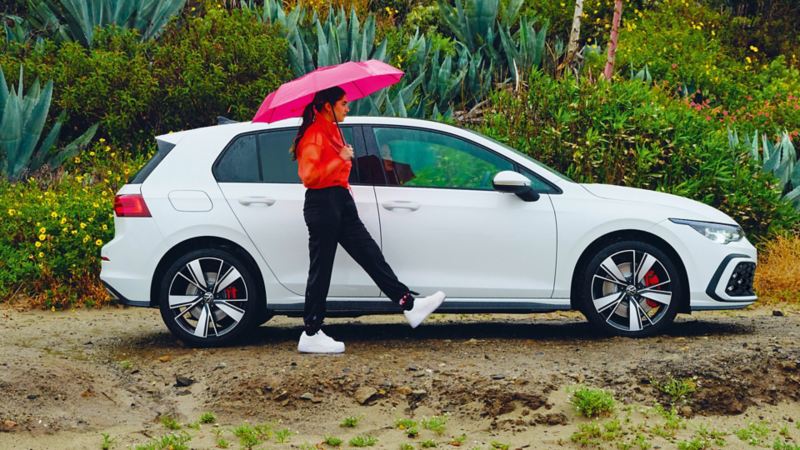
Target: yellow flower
x=754, y=48
x=108, y=147
x=42, y=230
x=101, y=140
x=77, y=160
x=38, y=244
x=42, y=237
x=98, y=242
x=105, y=227
x=83, y=225
x=74, y=232
x=86, y=239
x=41, y=254
x=63, y=220
x=91, y=153
x=79, y=178
x=11, y=211
x=749, y=61
x=53, y=214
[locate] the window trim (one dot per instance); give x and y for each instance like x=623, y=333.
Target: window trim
x=372, y=147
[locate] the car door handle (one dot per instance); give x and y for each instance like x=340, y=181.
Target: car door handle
x=400, y=204
x=247, y=201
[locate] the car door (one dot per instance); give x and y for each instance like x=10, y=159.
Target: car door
x=444, y=226
x=260, y=182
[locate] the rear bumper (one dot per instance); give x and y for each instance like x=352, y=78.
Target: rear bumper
x=121, y=299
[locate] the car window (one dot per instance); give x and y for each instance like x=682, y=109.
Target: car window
x=537, y=183
x=422, y=158
x=277, y=165
x=239, y=164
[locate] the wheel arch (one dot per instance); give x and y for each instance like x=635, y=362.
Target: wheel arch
x=623, y=235
x=205, y=242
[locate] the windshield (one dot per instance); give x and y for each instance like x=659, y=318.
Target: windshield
x=538, y=163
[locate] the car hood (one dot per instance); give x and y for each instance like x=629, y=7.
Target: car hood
x=684, y=207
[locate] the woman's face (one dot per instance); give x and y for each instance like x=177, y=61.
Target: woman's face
x=341, y=108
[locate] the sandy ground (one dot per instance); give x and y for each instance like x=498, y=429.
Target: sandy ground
x=67, y=378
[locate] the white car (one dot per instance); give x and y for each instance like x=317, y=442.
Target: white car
x=211, y=231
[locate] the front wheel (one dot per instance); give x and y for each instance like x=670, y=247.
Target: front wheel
x=209, y=298
x=630, y=288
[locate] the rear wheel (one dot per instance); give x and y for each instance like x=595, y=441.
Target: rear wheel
x=631, y=288
x=209, y=298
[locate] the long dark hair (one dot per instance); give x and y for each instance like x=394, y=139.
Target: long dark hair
x=330, y=96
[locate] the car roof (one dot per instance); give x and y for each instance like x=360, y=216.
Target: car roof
x=235, y=128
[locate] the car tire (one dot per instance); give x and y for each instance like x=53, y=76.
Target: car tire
x=630, y=275
x=216, y=310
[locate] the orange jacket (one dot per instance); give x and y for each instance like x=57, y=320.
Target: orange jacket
x=318, y=162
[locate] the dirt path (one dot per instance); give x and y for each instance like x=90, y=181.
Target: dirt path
x=65, y=378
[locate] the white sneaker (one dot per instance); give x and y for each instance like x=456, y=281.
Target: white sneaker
x=319, y=343
x=423, y=307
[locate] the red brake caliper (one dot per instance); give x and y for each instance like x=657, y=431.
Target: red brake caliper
x=650, y=279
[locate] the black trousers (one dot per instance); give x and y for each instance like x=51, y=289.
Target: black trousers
x=332, y=218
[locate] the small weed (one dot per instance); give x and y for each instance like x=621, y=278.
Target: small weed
x=170, y=423
x=641, y=442
x=458, y=441
x=222, y=443
x=784, y=431
x=108, y=441
x=717, y=438
x=171, y=441
x=778, y=445
x=435, y=424
x=125, y=365
x=349, y=422
x=592, y=434
x=282, y=435
x=430, y=443
x=405, y=424
x=498, y=445
x=678, y=390
x=208, y=417
x=592, y=402
x=406, y=446
x=753, y=433
x=250, y=436
x=363, y=441
x=672, y=422
x=193, y=425
x=412, y=432
x=333, y=441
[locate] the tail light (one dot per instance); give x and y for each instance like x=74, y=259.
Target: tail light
x=130, y=205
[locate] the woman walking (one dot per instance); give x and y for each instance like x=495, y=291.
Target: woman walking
x=324, y=162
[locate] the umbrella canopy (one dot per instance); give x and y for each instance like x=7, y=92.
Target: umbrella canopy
x=358, y=79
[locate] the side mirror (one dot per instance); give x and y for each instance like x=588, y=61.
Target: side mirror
x=515, y=183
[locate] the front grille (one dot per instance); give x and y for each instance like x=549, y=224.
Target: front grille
x=741, y=281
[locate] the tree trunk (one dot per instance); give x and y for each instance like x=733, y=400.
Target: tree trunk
x=612, y=44
x=574, y=36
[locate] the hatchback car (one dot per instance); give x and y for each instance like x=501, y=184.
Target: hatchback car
x=211, y=232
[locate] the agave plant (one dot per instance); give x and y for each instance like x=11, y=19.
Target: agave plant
x=77, y=19
x=525, y=50
x=19, y=31
x=22, y=118
x=779, y=159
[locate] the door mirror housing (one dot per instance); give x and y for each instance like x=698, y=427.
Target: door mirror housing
x=515, y=183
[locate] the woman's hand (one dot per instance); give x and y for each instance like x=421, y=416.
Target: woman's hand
x=346, y=153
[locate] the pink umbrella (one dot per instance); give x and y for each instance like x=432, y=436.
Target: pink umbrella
x=358, y=79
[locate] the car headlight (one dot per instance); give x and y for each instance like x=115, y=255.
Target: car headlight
x=717, y=232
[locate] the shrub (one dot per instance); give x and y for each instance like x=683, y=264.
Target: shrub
x=219, y=64
x=628, y=133
x=778, y=274
x=52, y=231
x=591, y=402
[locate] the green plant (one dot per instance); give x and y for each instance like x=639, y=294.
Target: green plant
x=74, y=20
x=406, y=446
x=19, y=31
x=590, y=402
x=170, y=441
x=755, y=433
x=678, y=390
x=499, y=445
x=170, y=423
x=704, y=439
x=436, y=424
x=778, y=159
x=333, y=441
x=405, y=424
x=428, y=443
x=282, y=435
x=363, y=441
x=349, y=422
x=22, y=120
x=222, y=443
x=251, y=436
x=208, y=417
x=592, y=434
x=108, y=441
x=784, y=445
x=125, y=365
